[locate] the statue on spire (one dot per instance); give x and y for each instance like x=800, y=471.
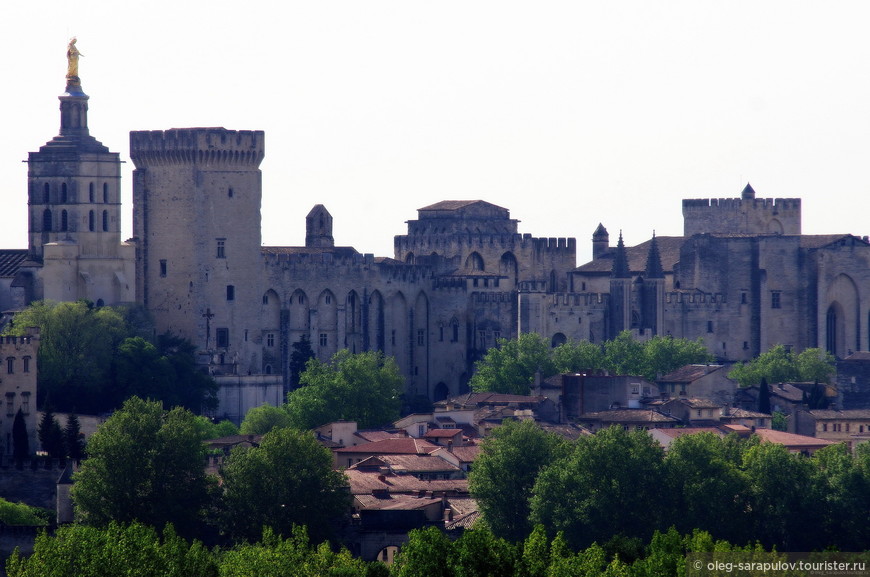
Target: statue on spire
x=72, y=59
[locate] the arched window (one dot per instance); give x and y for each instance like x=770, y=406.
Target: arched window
x=63, y=193
x=91, y=192
x=64, y=223
x=45, y=193
x=91, y=221
x=106, y=192
x=46, y=219
x=105, y=220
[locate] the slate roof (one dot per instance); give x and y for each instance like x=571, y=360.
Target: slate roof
x=10, y=261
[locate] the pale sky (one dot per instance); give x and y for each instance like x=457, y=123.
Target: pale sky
x=568, y=113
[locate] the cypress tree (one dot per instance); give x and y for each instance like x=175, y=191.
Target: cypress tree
x=764, y=397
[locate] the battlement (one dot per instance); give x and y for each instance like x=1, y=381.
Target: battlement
x=741, y=216
x=727, y=204
x=695, y=297
x=493, y=297
x=206, y=146
x=472, y=241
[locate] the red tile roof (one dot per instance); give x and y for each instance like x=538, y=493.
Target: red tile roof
x=403, y=446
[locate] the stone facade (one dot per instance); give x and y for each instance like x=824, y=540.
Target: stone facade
x=742, y=278
x=18, y=386
x=74, y=205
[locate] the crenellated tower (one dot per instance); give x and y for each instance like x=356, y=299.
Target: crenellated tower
x=744, y=215
x=196, y=215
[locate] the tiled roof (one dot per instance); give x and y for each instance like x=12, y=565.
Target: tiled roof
x=10, y=261
x=857, y=356
x=790, y=439
x=629, y=415
x=339, y=251
x=441, y=433
x=827, y=415
x=478, y=399
x=394, y=502
x=669, y=249
x=372, y=436
x=737, y=413
x=404, y=446
x=811, y=241
x=689, y=373
x=418, y=464
x=676, y=433
x=466, y=453
x=364, y=482
x=700, y=403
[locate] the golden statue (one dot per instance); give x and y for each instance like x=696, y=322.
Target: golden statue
x=72, y=59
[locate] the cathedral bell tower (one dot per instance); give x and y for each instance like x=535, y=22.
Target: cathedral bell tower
x=74, y=205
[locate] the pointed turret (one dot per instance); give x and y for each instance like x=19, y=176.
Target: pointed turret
x=600, y=241
x=654, y=260
x=318, y=228
x=620, y=261
x=748, y=192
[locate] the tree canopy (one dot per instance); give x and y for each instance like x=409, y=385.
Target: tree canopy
x=93, y=358
x=511, y=366
x=781, y=365
x=287, y=480
x=144, y=464
x=504, y=474
x=362, y=387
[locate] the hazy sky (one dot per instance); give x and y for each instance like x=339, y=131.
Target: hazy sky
x=568, y=113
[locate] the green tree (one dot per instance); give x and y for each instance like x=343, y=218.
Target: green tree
x=287, y=480
x=20, y=440
x=663, y=354
x=73, y=438
x=51, y=435
x=362, y=387
x=427, y=552
x=293, y=556
x=503, y=475
x=208, y=429
x=192, y=387
x=710, y=492
x=815, y=365
x=764, y=397
x=783, y=498
x=624, y=355
x=776, y=365
x=260, y=420
x=479, y=553
x=77, y=345
x=119, y=550
x=577, y=356
x=299, y=357
x=613, y=483
x=511, y=365
x=146, y=465
x=844, y=496
x=779, y=422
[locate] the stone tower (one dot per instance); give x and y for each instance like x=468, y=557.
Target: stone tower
x=74, y=204
x=196, y=198
x=318, y=228
x=620, y=291
x=744, y=215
